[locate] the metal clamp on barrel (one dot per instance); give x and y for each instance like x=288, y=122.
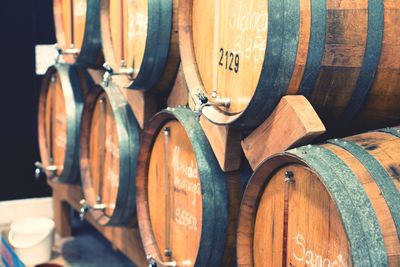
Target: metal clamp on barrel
x=153, y=262
x=70, y=51
x=205, y=102
x=110, y=72
x=39, y=169
x=85, y=208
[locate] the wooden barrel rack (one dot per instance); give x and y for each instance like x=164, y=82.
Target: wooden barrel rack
x=243, y=56
x=109, y=149
x=245, y=81
x=60, y=108
x=77, y=26
x=335, y=203
x=125, y=239
x=140, y=42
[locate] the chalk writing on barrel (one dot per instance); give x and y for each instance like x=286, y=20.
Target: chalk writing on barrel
x=306, y=256
x=80, y=9
x=184, y=218
x=250, y=22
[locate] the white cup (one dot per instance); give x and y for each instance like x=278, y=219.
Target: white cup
x=32, y=239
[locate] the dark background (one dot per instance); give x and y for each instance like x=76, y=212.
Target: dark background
x=23, y=25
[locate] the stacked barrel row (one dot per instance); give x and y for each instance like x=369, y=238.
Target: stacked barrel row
x=332, y=204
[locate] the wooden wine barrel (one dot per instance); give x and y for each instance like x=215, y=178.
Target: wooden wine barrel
x=342, y=55
x=335, y=204
x=109, y=149
x=140, y=42
x=182, y=196
x=60, y=109
x=78, y=31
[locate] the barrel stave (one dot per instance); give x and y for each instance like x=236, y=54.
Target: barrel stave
x=274, y=226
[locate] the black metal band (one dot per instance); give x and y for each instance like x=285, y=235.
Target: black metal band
x=392, y=131
x=157, y=44
x=91, y=54
x=380, y=176
x=316, y=47
x=279, y=62
x=371, y=59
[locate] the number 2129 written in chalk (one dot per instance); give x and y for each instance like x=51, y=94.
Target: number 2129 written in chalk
x=229, y=60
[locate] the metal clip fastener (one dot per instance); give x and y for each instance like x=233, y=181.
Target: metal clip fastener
x=289, y=177
x=153, y=262
x=85, y=208
x=42, y=169
x=70, y=51
x=204, y=101
x=110, y=72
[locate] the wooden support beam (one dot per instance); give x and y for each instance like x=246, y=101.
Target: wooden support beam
x=294, y=122
x=62, y=216
x=125, y=239
x=235, y=194
x=179, y=94
x=225, y=142
x=143, y=104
